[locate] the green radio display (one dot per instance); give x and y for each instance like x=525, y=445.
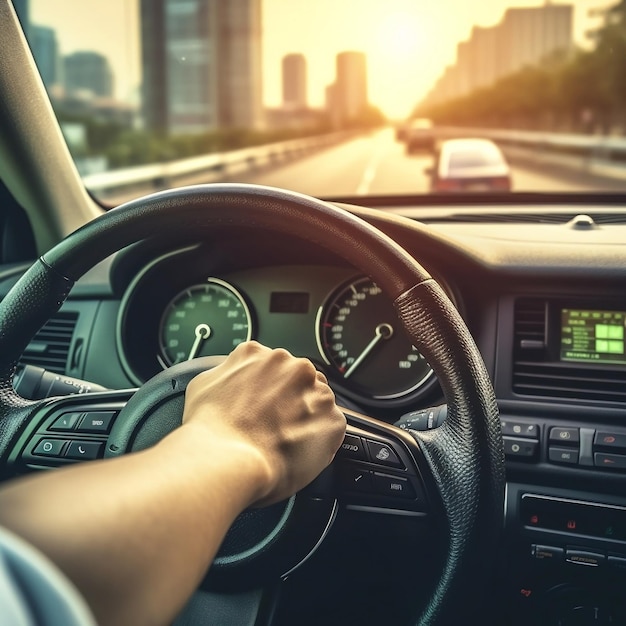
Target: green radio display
x=593, y=336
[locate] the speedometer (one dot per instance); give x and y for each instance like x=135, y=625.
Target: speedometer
x=203, y=320
x=360, y=336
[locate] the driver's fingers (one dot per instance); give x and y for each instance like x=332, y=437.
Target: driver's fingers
x=321, y=377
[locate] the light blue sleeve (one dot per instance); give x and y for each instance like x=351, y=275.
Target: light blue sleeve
x=33, y=592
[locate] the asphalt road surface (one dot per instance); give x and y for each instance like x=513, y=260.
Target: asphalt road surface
x=377, y=164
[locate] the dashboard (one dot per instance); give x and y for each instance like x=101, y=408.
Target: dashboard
x=545, y=301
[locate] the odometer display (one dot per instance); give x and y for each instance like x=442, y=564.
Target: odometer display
x=204, y=320
x=361, y=338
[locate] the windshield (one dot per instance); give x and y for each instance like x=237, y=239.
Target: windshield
x=321, y=96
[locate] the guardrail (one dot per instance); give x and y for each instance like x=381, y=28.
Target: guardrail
x=127, y=182
x=600, y=155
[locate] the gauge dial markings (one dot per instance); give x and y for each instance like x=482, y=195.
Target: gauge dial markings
x=360, y=337
x=213, y=310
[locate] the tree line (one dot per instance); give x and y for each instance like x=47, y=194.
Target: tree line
x=123, y=146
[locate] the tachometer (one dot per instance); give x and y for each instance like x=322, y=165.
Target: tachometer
x=203, y=320
x=359, y=334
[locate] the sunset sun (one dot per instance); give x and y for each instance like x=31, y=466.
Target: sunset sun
x=399, y=37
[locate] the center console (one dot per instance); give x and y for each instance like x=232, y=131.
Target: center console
x=566, y=559
x=561, y=385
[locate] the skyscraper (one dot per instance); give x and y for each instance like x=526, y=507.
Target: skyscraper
x=46, y=52
x=531, y=34
x=238, y=64
x=88, y=71
x=201, y=64
x=525, y=36
x=189, y=64
x=351, y=85
x=294, y=81
x=153, y=86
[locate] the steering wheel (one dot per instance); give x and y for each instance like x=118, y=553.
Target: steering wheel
x=454, y=473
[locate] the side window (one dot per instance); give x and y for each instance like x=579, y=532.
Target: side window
x=17, y=242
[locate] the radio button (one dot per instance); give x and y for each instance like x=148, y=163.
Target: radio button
x=606, y=439
x=583, y=557
x=526, y=448
x=65, y=422
x=96, y=422
x=353, y=478
x=383, y=454
x=563, y=455
x=564, y=435
x=520, y=429
x=610, y=461
x=81, y=450
x=550, y=553
x=50, y=447
x=352, y=447
x=393, y=486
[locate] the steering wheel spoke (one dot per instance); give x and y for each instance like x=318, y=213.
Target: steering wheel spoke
x=249, y=607
x=66, y=430
x=379, y=468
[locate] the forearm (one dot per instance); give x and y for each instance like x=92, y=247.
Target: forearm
x=136, y=534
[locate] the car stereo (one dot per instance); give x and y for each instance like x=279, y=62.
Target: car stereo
x=570, y=349
x=592, y=336
x=571, y=332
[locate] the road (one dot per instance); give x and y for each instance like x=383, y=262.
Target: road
x=377, y=164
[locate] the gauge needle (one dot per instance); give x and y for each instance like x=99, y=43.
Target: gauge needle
x=202, y=332
x=382, y=331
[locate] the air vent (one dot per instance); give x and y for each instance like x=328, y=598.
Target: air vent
x=531, y=323
x=536, y=373
x=51, y=345
x=567, y=381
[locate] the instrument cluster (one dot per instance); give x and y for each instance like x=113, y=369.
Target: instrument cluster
x=339, y=319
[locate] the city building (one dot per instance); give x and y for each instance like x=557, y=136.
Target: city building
x=238, y=65
x=349, y=94
x=524, y=36
x=532, y=34
x=201, y=62
x=23, y=13
x=331, y=105
x=483, y=58
x=87, y=72
x=154, y=100
x=46, y=52
x=294, y=82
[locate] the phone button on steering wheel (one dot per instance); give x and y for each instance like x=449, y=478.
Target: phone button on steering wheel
x=84, y=450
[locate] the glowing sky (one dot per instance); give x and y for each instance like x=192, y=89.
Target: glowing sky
x=407, y=42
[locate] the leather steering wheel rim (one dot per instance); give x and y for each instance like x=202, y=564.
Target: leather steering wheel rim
x=465, y=455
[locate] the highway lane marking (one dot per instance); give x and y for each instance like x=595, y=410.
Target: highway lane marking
x=369, y=174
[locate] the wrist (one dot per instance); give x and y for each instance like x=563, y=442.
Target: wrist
x=237, y=467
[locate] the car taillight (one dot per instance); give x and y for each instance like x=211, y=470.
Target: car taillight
x=502, y=183
x=447, y=185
